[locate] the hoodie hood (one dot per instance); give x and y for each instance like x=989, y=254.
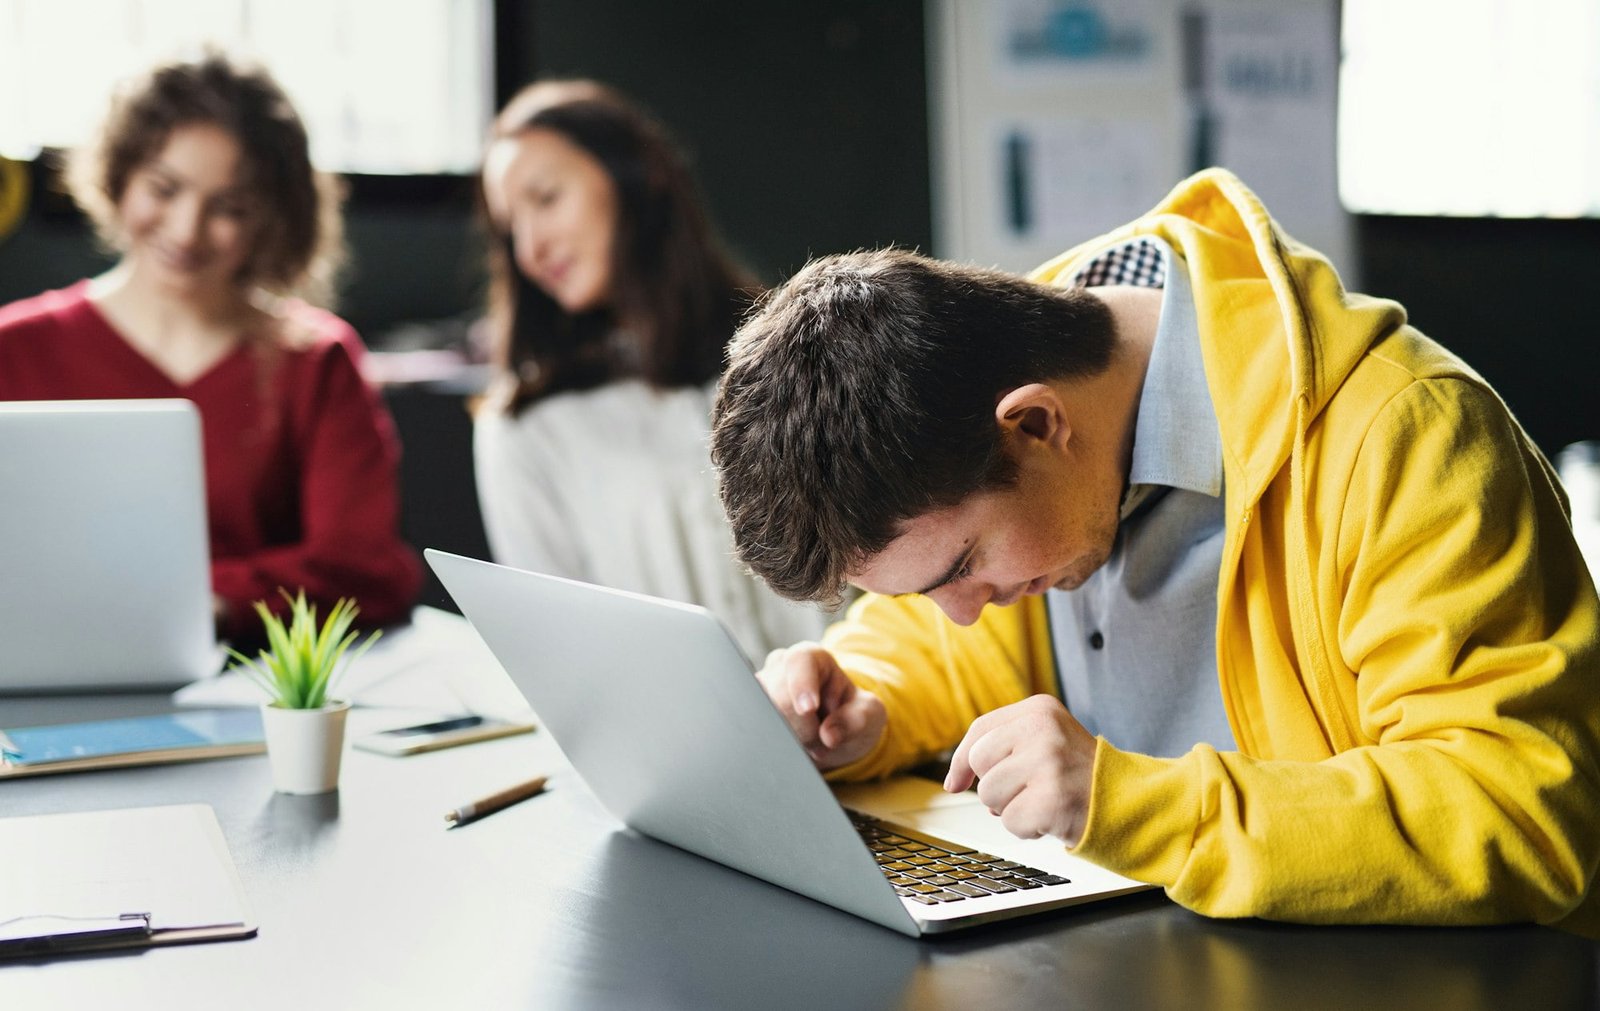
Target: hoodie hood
x=1291, y=356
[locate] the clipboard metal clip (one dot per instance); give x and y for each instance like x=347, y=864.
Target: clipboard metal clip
x=47, y=933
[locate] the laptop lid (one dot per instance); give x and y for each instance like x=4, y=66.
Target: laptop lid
x=662, y=716
x=106, y=577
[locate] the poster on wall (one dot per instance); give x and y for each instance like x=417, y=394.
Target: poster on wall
x=1053, y=122
x=1269, y=86
x=1077, y=42
x=1067, y=178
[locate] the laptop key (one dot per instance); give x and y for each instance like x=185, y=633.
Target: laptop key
x=939, y=865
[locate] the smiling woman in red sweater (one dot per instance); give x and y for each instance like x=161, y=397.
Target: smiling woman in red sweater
x=202, y=180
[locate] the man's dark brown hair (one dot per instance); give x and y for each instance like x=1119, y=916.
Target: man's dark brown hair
x=861, y=394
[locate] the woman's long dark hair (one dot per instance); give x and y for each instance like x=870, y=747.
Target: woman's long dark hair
x=676, y=295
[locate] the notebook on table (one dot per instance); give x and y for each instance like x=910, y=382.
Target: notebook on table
x=186, y=736
x=660, y=713
x=106, y=580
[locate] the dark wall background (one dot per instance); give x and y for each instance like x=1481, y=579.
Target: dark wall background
x=806, y=122
x=1514, y=298
x=807, y=125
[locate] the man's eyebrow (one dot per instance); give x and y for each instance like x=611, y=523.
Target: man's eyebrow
x=949, y=574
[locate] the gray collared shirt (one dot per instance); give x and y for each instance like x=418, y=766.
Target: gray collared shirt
x=1135, y=645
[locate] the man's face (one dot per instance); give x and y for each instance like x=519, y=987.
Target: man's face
x=1053, y=528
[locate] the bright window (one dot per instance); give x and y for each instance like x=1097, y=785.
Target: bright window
x=1484, y=108
x=385, y=86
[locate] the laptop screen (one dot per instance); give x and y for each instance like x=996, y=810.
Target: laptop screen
x=103, y=546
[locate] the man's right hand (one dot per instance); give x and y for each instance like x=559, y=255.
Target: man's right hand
x=835, y=721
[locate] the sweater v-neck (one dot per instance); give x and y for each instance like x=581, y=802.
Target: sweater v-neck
x=116, y=343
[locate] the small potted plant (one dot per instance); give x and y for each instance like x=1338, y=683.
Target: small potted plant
x=304, y=728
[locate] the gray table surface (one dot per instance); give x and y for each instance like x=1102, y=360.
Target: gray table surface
x=365, y=901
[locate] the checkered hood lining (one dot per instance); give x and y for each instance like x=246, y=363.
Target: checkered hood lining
x=1140, y=262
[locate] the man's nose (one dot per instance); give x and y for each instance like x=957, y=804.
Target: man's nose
x=964, y=604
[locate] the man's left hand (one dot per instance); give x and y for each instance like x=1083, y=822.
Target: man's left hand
x=1033, y=762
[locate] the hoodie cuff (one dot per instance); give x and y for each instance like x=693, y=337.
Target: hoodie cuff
x=1142, y=814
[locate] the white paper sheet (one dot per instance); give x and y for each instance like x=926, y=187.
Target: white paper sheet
x=170, y=862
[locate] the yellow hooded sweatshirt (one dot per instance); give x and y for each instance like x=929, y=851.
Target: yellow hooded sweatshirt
x=1406, y=633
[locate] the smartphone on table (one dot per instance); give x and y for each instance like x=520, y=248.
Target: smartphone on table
x=438, y=734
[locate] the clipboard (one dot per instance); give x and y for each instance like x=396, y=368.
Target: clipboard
x=127, y=878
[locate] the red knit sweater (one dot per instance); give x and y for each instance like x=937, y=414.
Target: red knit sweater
x=300, y=455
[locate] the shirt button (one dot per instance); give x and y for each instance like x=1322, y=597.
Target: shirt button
x=1096, y=640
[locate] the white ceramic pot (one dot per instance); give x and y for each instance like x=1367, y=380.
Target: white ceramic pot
x=304, y=746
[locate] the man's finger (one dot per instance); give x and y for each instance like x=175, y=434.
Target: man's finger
x=841, y=723
x=803, y=680
x=999, y=782
x=837, y=688
x=1021, y=820
x=960, y=777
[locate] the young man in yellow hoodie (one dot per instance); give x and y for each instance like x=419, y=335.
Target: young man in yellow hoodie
x=1248, y=589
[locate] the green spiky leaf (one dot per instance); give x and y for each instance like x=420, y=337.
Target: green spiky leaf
x=302, y=658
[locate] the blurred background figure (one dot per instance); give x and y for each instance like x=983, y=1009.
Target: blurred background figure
x=200, y=179
x=611, y=302
x=1579, y=464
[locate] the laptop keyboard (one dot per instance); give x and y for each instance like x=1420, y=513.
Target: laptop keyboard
x=930, y=870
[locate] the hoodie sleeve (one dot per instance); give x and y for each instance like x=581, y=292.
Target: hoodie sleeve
x=934, y=676
x=1460, y=627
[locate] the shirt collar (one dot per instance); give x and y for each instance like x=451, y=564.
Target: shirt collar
x=1176, y=442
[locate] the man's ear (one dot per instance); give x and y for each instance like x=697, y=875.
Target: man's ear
x=1034, y=411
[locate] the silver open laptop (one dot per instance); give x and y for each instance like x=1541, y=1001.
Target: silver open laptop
x=104, y=570
x=660, y=713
